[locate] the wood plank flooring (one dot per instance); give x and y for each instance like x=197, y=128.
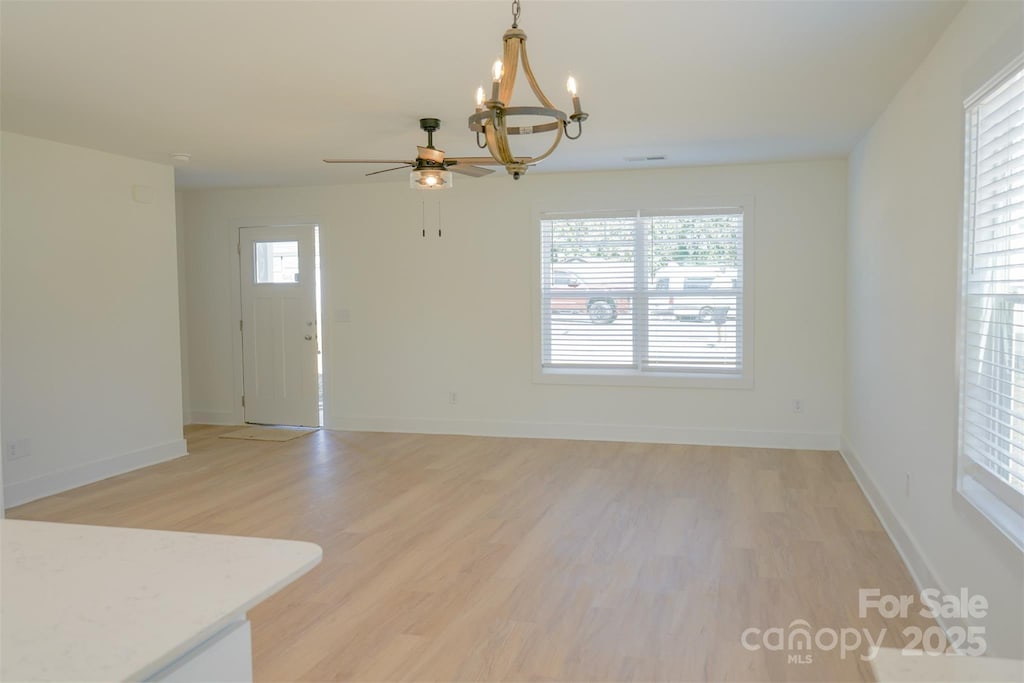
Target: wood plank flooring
x=488, y=559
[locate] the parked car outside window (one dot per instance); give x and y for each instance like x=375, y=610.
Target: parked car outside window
x=706, y=294
x=571, y=295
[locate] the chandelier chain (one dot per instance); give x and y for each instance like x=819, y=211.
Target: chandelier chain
x=515, y=13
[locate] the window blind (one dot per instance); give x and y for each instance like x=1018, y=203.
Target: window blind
x=643, y=291
x=992, y=313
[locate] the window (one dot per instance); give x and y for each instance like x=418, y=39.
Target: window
x=991, y=448
x=644, y=294
x=276, y=262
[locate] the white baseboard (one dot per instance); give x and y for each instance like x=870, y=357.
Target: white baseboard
x=209, y=417
x=921, y=571
x=18, y=492
x=595, y=432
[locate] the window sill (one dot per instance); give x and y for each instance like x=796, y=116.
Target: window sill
x=993, y=508
x=632, y=378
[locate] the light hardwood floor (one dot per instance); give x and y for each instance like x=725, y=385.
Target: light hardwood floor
x=487, y=559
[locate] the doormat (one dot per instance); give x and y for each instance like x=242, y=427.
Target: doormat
x=267, y=433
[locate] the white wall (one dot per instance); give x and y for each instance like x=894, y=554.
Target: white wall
x=906, y=194
x=91, y=365
x=179, y=221
x=1, y=355
x=429, y=316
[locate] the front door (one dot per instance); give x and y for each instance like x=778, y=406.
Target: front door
x=279, y=336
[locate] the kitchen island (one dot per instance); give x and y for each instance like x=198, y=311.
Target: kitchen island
x=89, y=603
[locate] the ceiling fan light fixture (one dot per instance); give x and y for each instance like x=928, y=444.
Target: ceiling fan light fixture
x=430, y=179
x=490, y=120
x=430, y=168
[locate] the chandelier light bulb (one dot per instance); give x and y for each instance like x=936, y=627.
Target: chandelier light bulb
x=570, y=85
x=480, y=97
x=496, y=74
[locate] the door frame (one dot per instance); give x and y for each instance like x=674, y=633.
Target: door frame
x=231, y=236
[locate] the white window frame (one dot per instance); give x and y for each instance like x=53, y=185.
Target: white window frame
x=743, y=379
x=994, y=498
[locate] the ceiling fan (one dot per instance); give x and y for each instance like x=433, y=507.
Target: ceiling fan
x=431, y=170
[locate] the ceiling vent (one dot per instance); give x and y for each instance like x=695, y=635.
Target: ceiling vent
x=653, y=157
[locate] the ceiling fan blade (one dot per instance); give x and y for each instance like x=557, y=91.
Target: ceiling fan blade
x=429, y=154
x=386, y=170
x=466, y=169
x=368, y=161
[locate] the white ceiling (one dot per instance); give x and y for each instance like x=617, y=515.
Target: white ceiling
x=259, y=92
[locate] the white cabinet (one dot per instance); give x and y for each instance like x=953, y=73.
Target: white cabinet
x=225, y=658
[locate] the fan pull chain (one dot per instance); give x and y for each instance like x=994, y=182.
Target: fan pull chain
x=423, y=219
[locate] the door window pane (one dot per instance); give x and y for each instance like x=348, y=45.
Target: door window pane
x=276, y=262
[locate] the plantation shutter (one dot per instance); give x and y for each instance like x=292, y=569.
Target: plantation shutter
x=643, y=292
x=992, y=317
x=695, y=303
x=588, y=279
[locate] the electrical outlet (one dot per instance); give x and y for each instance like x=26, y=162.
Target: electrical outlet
x=17, y=449
x=453, y=397
x=798, y=405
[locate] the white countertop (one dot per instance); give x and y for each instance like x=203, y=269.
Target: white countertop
x=87, y=603
x=891, y=665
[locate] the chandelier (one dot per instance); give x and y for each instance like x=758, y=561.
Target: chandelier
x=491, y=121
